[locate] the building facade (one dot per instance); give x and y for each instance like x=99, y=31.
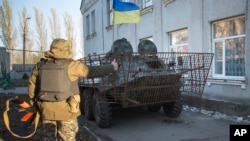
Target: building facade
x=221, y=27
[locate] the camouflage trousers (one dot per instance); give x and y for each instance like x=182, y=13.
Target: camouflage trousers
x=59, y=130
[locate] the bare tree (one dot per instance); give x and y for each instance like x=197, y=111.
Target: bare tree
x=80, y=40
x=74, y=36
x=6, y=24
x=69, y=27
x=41, y=31
x=54, y=24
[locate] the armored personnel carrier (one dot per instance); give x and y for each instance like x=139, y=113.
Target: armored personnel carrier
x=144, y=78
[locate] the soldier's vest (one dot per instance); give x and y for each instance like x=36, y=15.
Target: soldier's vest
x=55, y=84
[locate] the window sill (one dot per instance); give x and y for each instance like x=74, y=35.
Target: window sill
x=147, y=10
x=240, y=82
x=166, y=2
x=93, y=35
x=88, y=37
x=109, y=27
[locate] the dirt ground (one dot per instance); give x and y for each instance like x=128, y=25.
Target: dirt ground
x=25, y=128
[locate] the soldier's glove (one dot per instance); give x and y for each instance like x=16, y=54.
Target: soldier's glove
x=74, y=102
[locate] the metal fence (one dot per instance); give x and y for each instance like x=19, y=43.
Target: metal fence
x=150, y=78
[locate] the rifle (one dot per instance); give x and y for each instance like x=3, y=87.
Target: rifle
x=24, y=106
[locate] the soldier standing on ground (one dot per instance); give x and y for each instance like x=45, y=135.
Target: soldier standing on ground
x=53, y=89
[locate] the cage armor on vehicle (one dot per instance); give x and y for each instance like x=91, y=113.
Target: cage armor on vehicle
x=144, y=78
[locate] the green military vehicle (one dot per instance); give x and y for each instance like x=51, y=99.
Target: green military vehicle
x=144, y=78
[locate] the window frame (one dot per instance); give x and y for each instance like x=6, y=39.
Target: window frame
x=176, y=46
x=88, y=25
x=223, y=41
x=109, y=12
x=144, y=5
x=93, y=22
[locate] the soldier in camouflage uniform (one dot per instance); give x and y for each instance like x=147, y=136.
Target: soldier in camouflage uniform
x=53, y=89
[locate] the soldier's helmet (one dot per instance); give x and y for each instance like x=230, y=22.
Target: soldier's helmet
x=147, y=46
x=60, y=45
x=121, y=47
x=59, y=48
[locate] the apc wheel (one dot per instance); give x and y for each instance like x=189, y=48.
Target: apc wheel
x=87, y=104
x=102, y=111
x=172, y=109
x=154, y=108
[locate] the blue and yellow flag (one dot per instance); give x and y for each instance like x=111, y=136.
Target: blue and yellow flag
x=125, y=12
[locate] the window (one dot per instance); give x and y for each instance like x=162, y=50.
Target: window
x=88, y=25
x=179, y=41
x=93, y=21
x=229, y=48
x=146, y=3
x=109, y=12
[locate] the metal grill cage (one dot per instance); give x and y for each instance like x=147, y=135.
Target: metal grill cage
x=144, y=79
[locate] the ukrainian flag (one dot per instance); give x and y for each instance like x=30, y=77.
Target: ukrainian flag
x=125, y=12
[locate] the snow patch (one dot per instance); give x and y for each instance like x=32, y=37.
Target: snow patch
x=218, y=115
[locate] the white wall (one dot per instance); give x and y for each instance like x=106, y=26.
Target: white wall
x=196, y=16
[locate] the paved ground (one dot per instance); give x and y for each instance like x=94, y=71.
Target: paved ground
x=210, y=124
x=140, y=125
